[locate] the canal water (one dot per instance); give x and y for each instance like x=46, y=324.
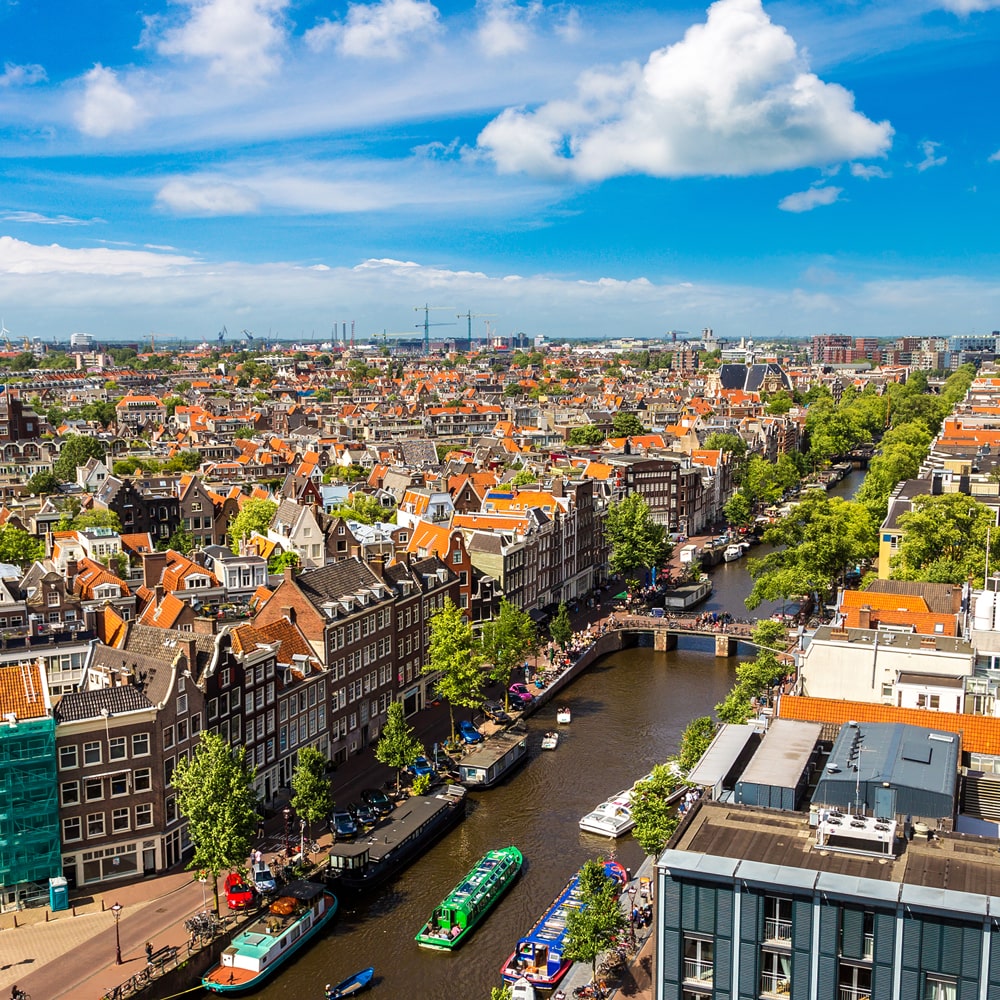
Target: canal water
x=629, y=711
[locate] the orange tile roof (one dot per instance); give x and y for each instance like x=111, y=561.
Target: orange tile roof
x=16, y=687
x=980, y=733
x=879, y=601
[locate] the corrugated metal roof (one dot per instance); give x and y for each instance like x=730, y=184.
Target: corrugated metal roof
x=783, y=754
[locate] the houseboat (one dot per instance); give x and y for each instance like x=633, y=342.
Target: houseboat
x=412, y=826
x=538, y=956
x=687, y=595
x=471, y=900
x=288, y=925
x=493, y=760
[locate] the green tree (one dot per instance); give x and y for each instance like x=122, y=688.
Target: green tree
x=364, y=508
x=523, y=477
x=254, y=516
x=561, y=628
x=626, y=425
x=587, y=436
x=506, y=641
x=500, y=992
x=944, y=540
x=280, y=560
x=42, y=482
x=593, y=927
x=184, y=461
x=96, y=518
x=215, y=794
x=655, y=817
x=453, y=656
x=637, y=542
x=75, y=451
x=726, y=441
x=398, y=747
x=311, y=797
x=739, y=510
x=18, y=548
x=755, y=677
x=181, y=541
x=694, y=742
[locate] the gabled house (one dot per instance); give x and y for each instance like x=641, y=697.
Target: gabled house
x=295, y=528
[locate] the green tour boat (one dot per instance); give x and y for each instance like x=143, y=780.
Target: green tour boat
x=469, y=902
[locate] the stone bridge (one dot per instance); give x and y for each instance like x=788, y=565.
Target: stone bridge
x=666, y=631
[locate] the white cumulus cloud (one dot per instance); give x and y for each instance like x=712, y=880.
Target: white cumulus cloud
x=239, y=39
x=107, y=107
x=733, y=97
x=22, y=76
x=929, y=149
x=380, y=30
x=970, y=6
x=205, y=198
x=867, y=171
x=505, y=26
x=806, y=201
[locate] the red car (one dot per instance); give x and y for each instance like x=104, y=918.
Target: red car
x=239, y=893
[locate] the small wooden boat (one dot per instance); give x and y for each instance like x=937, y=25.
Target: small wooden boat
x=550, y=740
x=522, y=990
x=564, y=716
x=471, y=900
x=351, y=985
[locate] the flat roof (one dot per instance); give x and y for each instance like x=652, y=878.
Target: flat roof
x=722, y=753
x=784, y=754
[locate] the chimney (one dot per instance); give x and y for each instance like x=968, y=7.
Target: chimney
x=865, y=617
x=289, y=573
x=204, y=625
x=153, y=565
x=72, y=566
x=189, y=647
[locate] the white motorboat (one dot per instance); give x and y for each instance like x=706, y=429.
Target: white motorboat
x=564, y=716
x=733, y=552
x=550, y=740
x=522, y=990
x=612, y=818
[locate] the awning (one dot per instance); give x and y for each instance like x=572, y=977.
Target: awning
x=621, y=597
x=537, y=615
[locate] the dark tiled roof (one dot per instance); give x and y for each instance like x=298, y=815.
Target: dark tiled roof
x=88, y=704
x=164, y=643
x=340, y=579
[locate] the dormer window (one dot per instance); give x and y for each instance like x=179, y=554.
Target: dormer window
x=52, y=599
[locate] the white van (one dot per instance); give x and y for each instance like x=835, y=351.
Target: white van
x=688, y=553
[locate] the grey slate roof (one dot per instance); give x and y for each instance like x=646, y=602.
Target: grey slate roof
x=88, y=704
x=340, y=579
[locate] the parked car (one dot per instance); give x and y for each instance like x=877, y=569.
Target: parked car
x=421, y=766
x=378, y=800
x=263, y=880
x=494, y=711
x=364, y=815
x=468, y=732
x=520, y=694
x=342, y=824
x=239, y=894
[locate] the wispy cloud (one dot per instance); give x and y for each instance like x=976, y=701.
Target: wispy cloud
x=505, y=26
x=929, y=148
x=106, y=106
x=970, y=6
x=806, y=201
x=866, y=171
x=995, y=158
x=35, y=218
x=22, y=76
x=382, y=30
x=734, y=97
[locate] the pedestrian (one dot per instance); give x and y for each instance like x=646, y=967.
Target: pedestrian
x=258, y=856
x=149, y=953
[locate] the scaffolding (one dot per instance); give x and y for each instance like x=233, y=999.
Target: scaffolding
x=29, y=810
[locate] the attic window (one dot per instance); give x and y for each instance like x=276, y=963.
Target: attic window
x=919, y=753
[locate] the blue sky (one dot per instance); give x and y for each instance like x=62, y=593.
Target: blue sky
x=573, y=169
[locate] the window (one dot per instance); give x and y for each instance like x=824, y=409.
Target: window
x=456, y=557
x=93, y=789
x=69, y=792
x=92, y=753
x=195, y=724
x=142, y=780
x=116, y=748
x=144, y=815
x=119, y=784
x=140, y=745
x=182, y=729
x=168, y=737
x=698, y=963
x=777, y=919
x=775, y=973
x=72, y=829
x=940, y=988
x=67, y=757
x=168, y=770
x=854, y=982
x=52, y=599
x=119, y=820
x=182, y=704
x=95, y=825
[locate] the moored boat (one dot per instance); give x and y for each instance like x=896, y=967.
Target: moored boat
x=733, y=552
x=522, y=990
x=291, y=921
x=612, y=818
x=352, y=985
x=538, y=957
x=550, y=740
x=471, y=900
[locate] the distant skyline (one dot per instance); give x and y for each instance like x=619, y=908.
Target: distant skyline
x=572, y=170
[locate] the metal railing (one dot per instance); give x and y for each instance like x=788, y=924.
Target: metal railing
x=777, y=930
x=699, y=971
x=853, y=993
x=775, y=984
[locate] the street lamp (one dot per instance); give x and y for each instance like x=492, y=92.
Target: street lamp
x=632, y=890
x=287, y=813
x=117, y=911
x=302, y=838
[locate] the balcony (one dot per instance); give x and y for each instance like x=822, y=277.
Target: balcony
x=698, y=972
x=778, y=930
x=853, y=993
x=775, y=984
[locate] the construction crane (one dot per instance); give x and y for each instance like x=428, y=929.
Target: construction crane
x=248, y=336
x=223, y=333
x=470, y=316
x=427, y=324
x=5, y=335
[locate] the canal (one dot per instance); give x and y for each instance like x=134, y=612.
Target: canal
x=629, y=711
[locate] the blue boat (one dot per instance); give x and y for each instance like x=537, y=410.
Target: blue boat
x=538, y=957
x=291, y=922
x=351, y=985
